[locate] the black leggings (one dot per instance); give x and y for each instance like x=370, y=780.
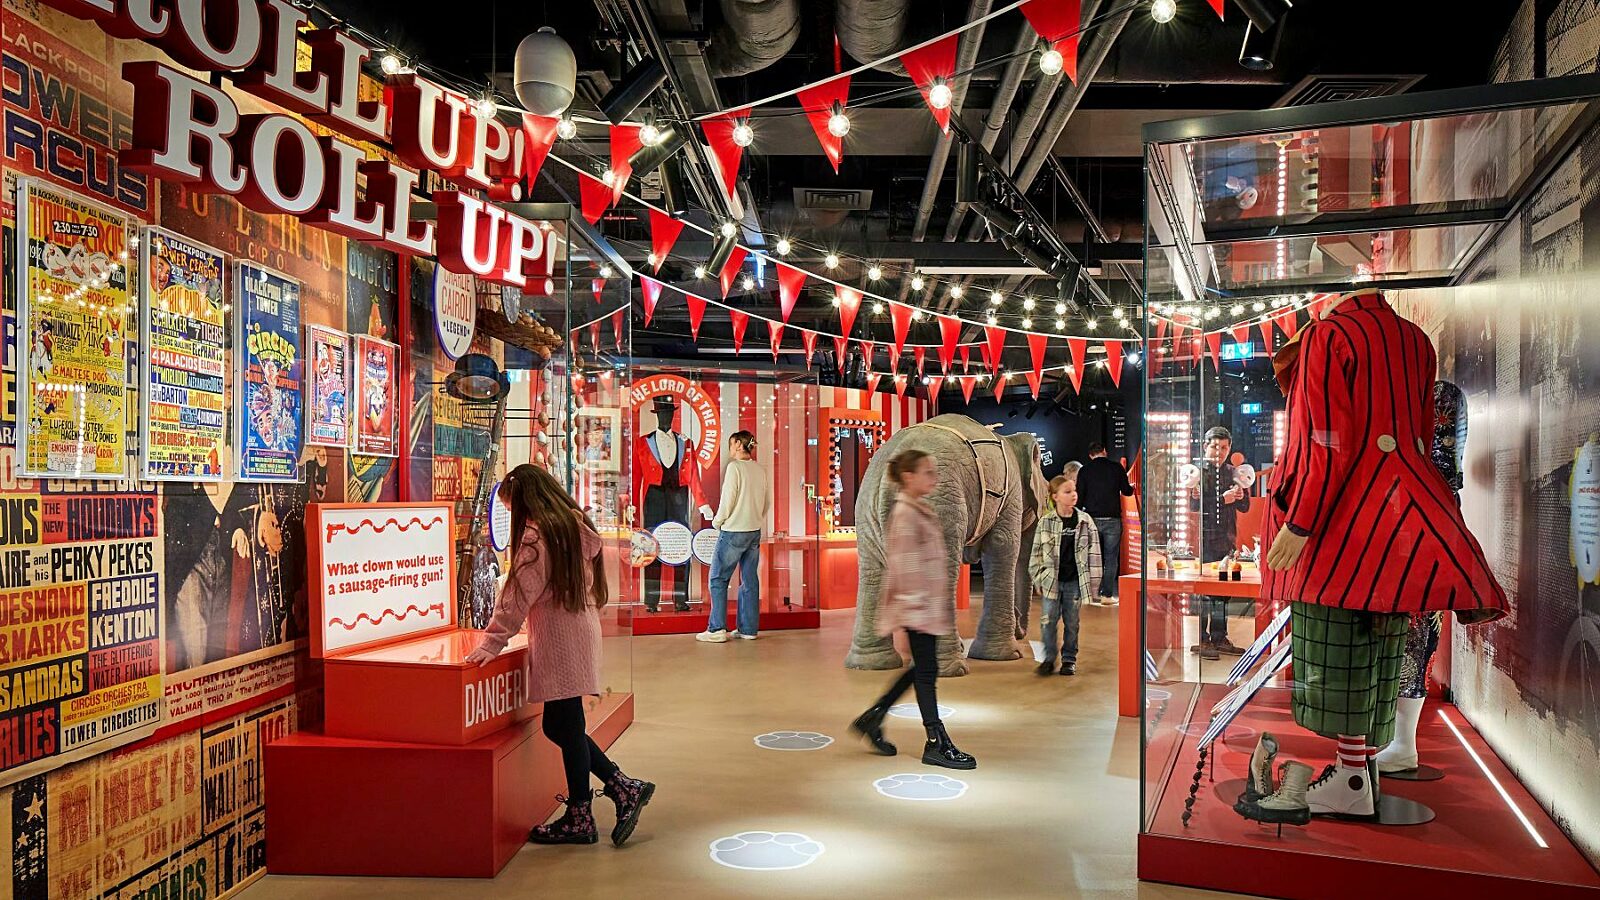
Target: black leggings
x=924, y=672
x=564, y=726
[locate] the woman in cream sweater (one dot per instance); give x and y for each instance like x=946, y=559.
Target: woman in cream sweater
x=746, y=499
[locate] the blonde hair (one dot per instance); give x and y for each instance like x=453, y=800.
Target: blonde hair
x=1058, y=481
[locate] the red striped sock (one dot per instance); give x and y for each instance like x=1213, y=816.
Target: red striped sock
x=1353, y=751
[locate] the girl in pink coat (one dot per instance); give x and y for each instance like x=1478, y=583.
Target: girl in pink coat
x=915, y=597
x=556, y=587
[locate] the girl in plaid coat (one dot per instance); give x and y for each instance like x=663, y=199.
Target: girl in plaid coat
x=1064, y=578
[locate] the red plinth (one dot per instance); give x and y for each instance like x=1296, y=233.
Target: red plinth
x=340, y=806
x=669, y=621
x=1476, y=847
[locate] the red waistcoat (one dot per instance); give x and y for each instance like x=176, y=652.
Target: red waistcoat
x=1386, y=534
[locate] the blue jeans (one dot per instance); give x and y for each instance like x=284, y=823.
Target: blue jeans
x=1110, y=529
x=742, y=549
x=1062, y=609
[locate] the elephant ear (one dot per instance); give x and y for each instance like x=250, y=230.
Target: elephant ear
x=1035, y=490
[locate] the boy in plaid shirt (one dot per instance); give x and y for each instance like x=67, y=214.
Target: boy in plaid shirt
x=1064, y=566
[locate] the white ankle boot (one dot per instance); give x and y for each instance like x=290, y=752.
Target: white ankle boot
x=1400, y=755
x=1342, y=791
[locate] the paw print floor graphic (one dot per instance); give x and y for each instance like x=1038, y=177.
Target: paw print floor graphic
x=792, y=740
x=765, y=850
x=913, y=786
x=910, y=711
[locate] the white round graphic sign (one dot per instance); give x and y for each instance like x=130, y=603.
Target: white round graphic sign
x=705, y=545
x=499, y=520
x=1585, y=502
x=676, y=542
x=455, y=310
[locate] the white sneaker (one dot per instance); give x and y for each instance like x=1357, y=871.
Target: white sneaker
x=1108, y=601
x=712, y=637
x=744, y=637
x=1341, y=791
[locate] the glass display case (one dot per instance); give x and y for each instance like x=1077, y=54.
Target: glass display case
x=1259, y=224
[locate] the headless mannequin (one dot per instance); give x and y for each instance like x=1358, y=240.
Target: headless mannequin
x=668, y=502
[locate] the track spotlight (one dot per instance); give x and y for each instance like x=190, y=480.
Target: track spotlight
x=1263, y=14
x=1002, y=219
x=722, y=250
x=648, y=158
x=674, y=192
x=631, y=92
x=1260, y=50
x=966, y=173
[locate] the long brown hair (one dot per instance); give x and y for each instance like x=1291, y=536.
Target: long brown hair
x=533, y=494
x=904, y=463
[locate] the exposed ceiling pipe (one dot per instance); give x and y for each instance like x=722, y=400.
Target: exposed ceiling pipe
x=754, y=34
x=873, y=29
x=1099, y=47
x=966, y=58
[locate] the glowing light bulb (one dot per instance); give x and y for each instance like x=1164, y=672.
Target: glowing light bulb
x=877, y=309
x=609, y=176
x=748, y=283
x=838, y=123
x=653, y=260
x=605, y=271
x=916, y=315
x=956, y=291
x=939, y=96
x=1093, y=324
x=784, y=246
x=1258, y=306
x=1238, y=309
x=1027, y=323
x=991, y=318
x=1029, y=303
x=926, y=380
x=649, y=134
x=486, y=108
x=390, y=64
x=1061, y=309
x=831, y=261
x=1051, y=62
x=699, y=272
x=874, y=274
x=917, y=283
x=566, y=129
x=743, y=135
x=996, y=298
x=1163, y=10
x=1061, y=324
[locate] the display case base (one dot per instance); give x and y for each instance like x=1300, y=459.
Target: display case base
x=1476, y=847
x=670, y=621
x=343, y=806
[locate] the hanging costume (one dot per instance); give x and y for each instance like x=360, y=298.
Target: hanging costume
x=1385, y=535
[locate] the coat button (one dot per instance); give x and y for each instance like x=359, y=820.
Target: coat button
x=1421, y=448
x=1386, y=443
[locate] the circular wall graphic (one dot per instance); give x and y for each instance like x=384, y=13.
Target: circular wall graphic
x=675, y=542
x=705, y=545
x=455, y=310
x=499, y=520
x=642, y=549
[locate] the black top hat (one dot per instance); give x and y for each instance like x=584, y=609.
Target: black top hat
x=664, y=404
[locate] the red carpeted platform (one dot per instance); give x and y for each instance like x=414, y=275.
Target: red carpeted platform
x=1475, y=847
x=670, y=621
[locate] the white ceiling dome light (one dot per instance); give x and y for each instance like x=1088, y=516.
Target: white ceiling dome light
x=545, y=73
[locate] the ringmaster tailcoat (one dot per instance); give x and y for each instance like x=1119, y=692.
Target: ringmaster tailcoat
x=1355, y=476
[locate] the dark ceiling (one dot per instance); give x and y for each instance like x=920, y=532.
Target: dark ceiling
x=1152, y=72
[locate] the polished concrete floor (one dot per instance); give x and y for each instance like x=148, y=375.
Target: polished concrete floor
x=1051, y=811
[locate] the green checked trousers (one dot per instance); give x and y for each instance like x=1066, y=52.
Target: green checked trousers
x=1347, y=670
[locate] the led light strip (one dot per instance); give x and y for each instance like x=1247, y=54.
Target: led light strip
x=1494, y=781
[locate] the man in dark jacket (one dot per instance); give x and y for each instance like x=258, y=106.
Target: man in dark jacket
x=1221, y=501
x=1102, y=483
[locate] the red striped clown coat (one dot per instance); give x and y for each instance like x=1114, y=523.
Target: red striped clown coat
x=1385, y=532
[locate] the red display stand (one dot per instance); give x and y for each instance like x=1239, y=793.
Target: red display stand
x=669, y=621
x=1476, y=847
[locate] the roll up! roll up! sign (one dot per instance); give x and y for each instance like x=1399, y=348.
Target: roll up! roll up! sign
x=186, y=130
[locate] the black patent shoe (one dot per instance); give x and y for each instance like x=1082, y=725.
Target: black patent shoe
x=941, y=751
x=870, y=726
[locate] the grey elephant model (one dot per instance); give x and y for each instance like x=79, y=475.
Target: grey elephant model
x=990, y=492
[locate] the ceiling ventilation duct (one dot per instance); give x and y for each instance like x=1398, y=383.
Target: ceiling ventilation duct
x=754, y=34
x=872, y=29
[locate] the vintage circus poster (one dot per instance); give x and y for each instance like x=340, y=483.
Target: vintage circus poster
x=375, y=364
x=327, y=387
x=268, y=395
x=73, y=301
x=184, y=333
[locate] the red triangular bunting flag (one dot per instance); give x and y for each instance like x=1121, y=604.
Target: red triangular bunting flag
x=1266, y=334
x=818, y=101
x=967, y=383
x=996, y=345
x=1058, y=22
x=1161, y=328
x=966, y=357
x=808, y=339
x=918, y=355
x=849, y=305
x=1214, y=345
x=899, y=384
x=625, y=143
x=650, y=290
x=616, y=327
x=594, y=335
x=872, y=382
x=538, y=133
x=1241, y=333
x=1290, y=323
x=949, y=332
x=740, y=319
x=1034, y=378
x=841, y=344
x=1077, y=347
x=902, y=326
x=1036, y=346
x=595, y=197
x=935, y=384
x=790, y=280
x=867, y=348
x=719, y=134
x=697, y=313
x=983, y=350
x=598, y=287
x=1217, y=5
x=999, y=388
x=775, y=336
x=664, y=231
x=1114, y=361
x=926, y=63
x=730, y=269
